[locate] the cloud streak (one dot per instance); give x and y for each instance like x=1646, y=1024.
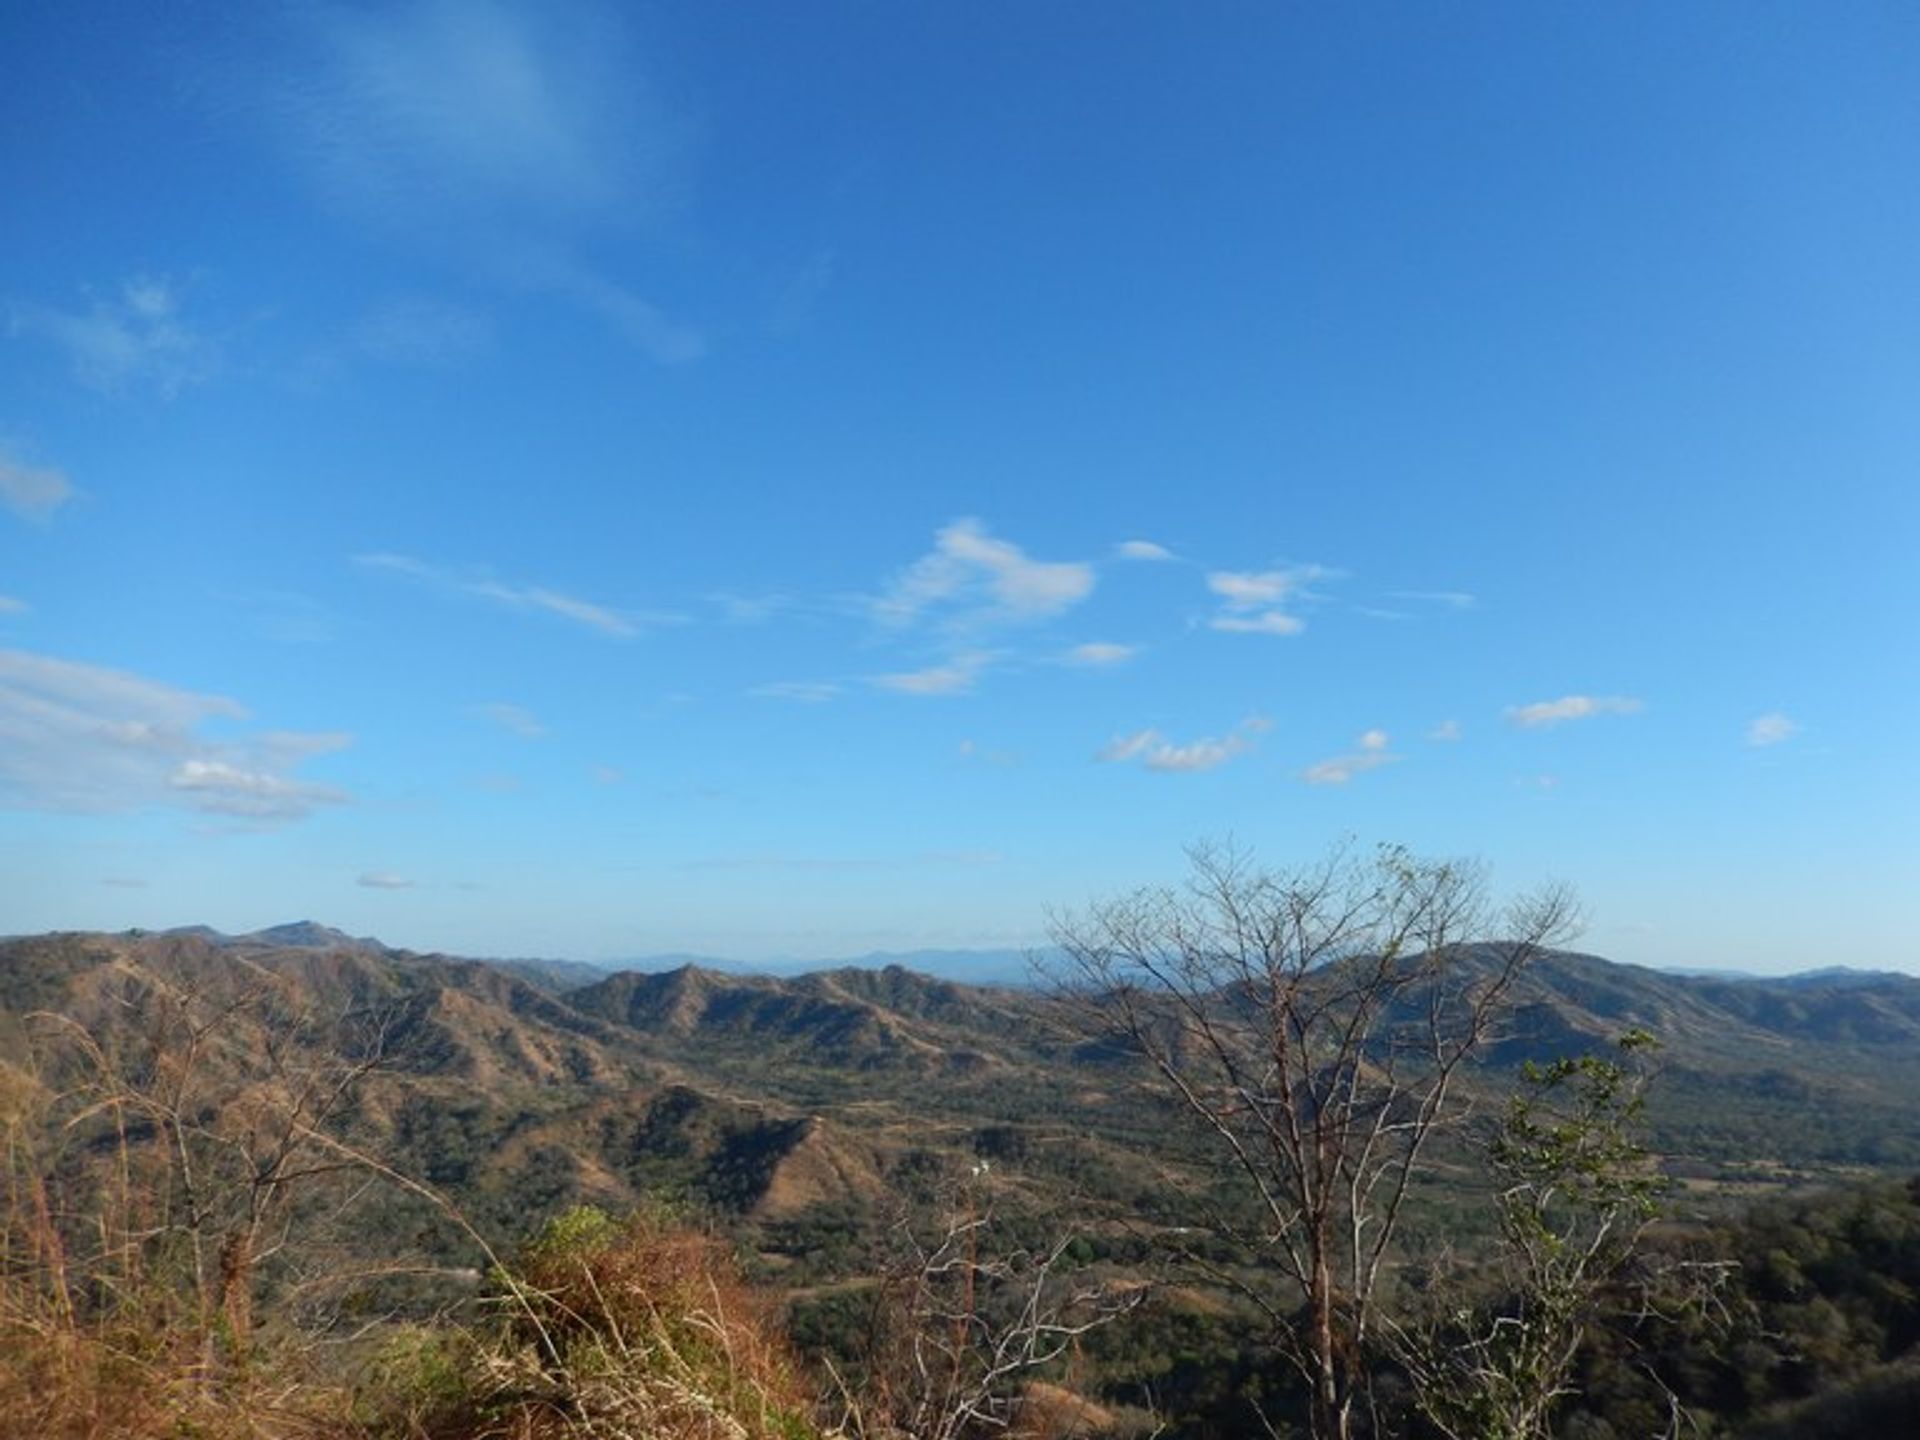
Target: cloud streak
x=79, y=737
x=504, y=133
x=954, y=677
x=1154, y=751
x=534, y=599
x=32, y=492
x=135, y=339
x=1370, y=752
x=1544, y=713
x=514, y=719
x=1259, y=602
x=1772, y=728
x=976, y=581
x=1099, y=654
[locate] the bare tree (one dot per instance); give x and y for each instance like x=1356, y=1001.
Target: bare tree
x=1315, y=1024
x=965, y=1322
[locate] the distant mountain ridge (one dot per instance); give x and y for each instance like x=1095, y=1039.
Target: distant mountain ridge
x=765, y=1095
x=987, y=966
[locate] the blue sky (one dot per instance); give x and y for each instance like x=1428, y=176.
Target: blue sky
x=796, y=481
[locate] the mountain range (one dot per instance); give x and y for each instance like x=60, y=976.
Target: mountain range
x=797, y=1107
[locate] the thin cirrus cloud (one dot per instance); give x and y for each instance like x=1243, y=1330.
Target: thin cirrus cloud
x=536, y=599
x=80, y=737
x=1544, y=713
x=423, y=332
x=1772, y=728
x=1152, y=750
x=33, y=492
x=1260, y=602
x=11, y=606
x=1370, y=752
x=382, y=880
x=501, y=134
x=133, y=339
x=1143, y=550
x=514, y=719
x=804, y=692
x=1443, y=599
x=1099, y=654
x=973, y=580
x=956, y=676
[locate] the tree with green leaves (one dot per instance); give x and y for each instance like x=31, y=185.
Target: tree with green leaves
x=1575, y=1192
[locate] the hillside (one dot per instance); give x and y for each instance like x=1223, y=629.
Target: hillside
x=705, y=1084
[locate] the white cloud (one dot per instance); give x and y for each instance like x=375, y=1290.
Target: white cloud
x=1370, y=753
x=32, y=492
x=979, y=580
x=1155, y=751
x=513, y=596
x=1199, y=755
x=1446, y=730
x=1098, y=653
x=806, y=692
x=1267, y=622
x=1142, y=550
x=1253, y=602
x=1571, y=707
x=11, y=606
x=82, y=737
x=383, y=880
x=608, y=775
x=136, y=338
x=514, y=719
x=1128, y=747
x=1771, y=729
x=955, y=677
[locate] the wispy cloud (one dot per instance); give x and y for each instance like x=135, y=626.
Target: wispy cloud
x=83, y=737
x=1142, y=550
x=1446, y=731
x=1153, y=750
x=1099, y=653
x=1542, y=713
x=1772, y=728
x=135, y=338
x=421, y=331
x=953, y=677
x=1445, y=599
x=621, y=624
x=502, y=134
x=33, y=492
x=382, y=880
x=805, y=692
x=514, y=719
x=1370, y=752
x=608, y=775
x=1258, y=602
x=11, y=606
x=974, y=580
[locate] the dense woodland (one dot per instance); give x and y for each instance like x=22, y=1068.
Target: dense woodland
x=265, y=1188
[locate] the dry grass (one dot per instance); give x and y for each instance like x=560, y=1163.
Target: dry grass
x=634, y=1329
